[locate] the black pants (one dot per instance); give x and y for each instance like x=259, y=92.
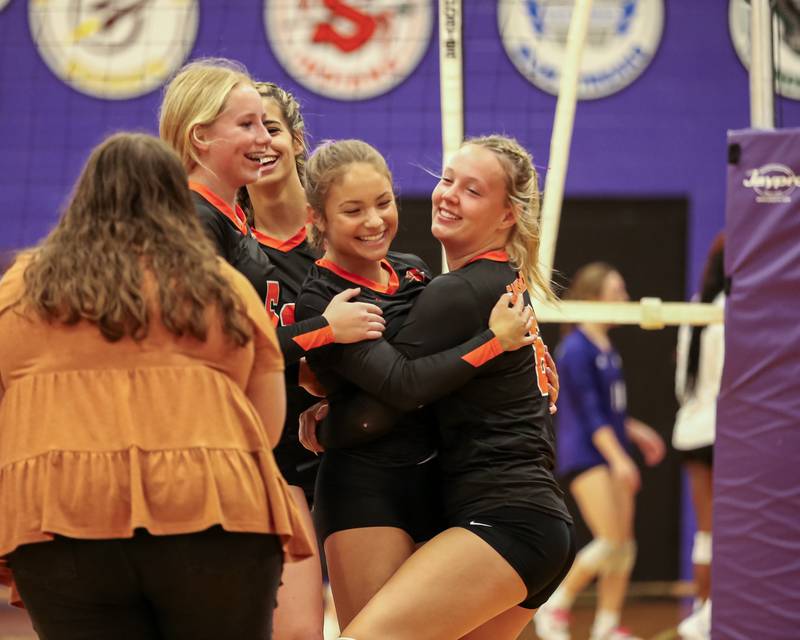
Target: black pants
x=213, y=584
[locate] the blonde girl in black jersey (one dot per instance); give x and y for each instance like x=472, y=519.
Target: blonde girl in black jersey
x=229, y=132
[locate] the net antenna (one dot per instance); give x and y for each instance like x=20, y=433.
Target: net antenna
x=649, y=313
x=762, y=108
x=561, y=138
x=451, y=82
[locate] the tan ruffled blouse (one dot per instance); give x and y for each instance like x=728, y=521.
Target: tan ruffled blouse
x=99, y=438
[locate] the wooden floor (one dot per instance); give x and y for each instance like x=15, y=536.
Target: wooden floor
x=650, y=618
x=14, y=623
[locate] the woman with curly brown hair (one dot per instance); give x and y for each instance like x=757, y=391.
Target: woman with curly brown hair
x=141, y=395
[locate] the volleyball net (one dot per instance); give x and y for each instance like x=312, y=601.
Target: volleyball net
x=649, y=312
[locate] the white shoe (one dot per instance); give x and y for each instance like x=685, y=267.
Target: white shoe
x=698, y=625
x=552, y=623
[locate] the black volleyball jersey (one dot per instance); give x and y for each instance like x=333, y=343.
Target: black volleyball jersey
x=291, y=260
x=496, y=436
x=228, y=230
x=378, y=368
x=277, y=283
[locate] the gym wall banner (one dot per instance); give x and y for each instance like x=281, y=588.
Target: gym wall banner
x=349, y=50
x=622, y=40
x=112, y=50
x=786, y=32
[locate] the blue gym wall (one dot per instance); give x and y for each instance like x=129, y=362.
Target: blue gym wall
x=662, y=136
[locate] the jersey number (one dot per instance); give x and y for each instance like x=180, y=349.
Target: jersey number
x=540, y=363
x=283, y=316
x=517, y=288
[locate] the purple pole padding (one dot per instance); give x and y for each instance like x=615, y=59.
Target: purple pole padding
x=756, y=567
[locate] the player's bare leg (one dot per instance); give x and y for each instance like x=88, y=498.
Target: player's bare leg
x=299, y=614
x=507, y=626
x=360, y=561
x=451, y=586
x=700, y=479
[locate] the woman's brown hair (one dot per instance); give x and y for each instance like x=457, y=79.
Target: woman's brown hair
x=130, y=214
x=587, y=283
x=293, y=119
x=327, y=164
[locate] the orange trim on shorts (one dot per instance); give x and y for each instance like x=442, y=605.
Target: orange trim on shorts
x=315, y=339
x=484, y=353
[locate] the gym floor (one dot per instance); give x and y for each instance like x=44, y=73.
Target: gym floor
x=649, y=617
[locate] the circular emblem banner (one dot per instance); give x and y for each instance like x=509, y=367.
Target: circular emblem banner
x=115, y=49
x=786, y=45
x=349, y=49
x=622, y=39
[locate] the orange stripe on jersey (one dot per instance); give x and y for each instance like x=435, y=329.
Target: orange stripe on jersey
x=314, y=339
x=390, y=288
x=496, y=256
x=236, y=216
x=280, y=245
x=484, y=353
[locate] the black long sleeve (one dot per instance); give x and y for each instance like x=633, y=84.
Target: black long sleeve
x=380, y=369
x=365, y=415
x=297, y=339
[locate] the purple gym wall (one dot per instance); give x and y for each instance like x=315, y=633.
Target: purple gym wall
x=756, y=570
x=663, y=135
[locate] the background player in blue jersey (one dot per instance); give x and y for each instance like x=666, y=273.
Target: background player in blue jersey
x=594, y=438
x=375, y=501
x=507, y=536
